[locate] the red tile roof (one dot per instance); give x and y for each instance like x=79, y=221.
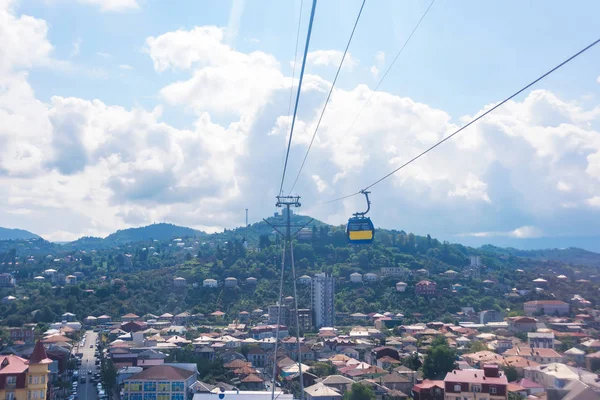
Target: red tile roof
x=252, y=378
x=39, y=355
x=14, y=365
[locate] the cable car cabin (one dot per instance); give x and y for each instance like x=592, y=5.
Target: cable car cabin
x=360, y=230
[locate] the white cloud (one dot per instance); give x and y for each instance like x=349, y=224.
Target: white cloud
x=125, y=67
x=374, y=71
x=380, y=57
x=526, y=232
x=321, y=184
x=473, y=188
x=329, y=58
x=76, y=166
x=76, y=47
x=102, y=54
x=219, y=72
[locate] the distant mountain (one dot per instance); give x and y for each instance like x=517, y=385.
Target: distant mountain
x=16, y=234
x=570, y=255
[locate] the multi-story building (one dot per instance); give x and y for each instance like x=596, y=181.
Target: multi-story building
x=471, y=384
x=323, y=292
x=548, y=307
x=543, y=340
x=399, y=272
x=274, y=314
x=425, y=288
x=304, y=319
x=161, y=382
x=22, y=379
x=490, y=316
x=24, y=334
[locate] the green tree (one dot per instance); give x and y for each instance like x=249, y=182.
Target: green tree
x=511, y=373
x=413, y=361
x=440, y=360
x=322, y=369
x=359, y=392
x=477, y=346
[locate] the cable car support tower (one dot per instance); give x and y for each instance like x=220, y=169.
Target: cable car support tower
x=286, y=203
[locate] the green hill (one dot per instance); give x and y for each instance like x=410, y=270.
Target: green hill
x=16, y=234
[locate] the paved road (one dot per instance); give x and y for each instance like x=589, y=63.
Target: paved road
x=87, y=390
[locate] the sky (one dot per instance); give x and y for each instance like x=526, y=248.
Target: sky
x=122, y=113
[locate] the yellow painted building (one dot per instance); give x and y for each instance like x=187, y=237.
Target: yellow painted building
x=22, y=379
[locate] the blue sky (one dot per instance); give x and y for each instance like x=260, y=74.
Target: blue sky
x=194, y=136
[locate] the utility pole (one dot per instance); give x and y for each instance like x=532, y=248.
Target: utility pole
x=246, y=230
x=286, y=202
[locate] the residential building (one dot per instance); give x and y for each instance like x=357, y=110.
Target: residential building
x=22, y=379
x=337, y=382
x=179, y=282
x=425, y=288
x=522, y=324
x=355, y=277
x=539, y=355
x=231, y=282
x=320, y=391
x=274, y=312
x=304, y=319
x=370, y=277
x=323, y=293
x=401, y=287
x=257, y=357
x=161, y=382
x=428, y=390
x=490, y=316
x=473, y=383
x=399, y=272
x=543, y=340
x=547, y=307
x=557, y=375
x=212, y=283
x=129, y=317
x=24, y=334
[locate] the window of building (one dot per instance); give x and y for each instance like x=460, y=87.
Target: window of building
x=164, y=386
x=135, y=396
x=177, y=396
x=457, y=388
x=177, y=386
x=162, y=396
x=44, y=379
x=30, y=379
x=493, y=390
x=476, y=388
x=135, y=386
x=149, y=386
x=149, y=396
x=42, y=394
x=10, y=396
x=11, y=380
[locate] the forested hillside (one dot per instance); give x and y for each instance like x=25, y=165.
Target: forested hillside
x=138, y=276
